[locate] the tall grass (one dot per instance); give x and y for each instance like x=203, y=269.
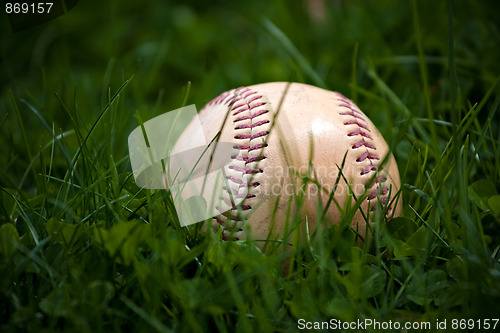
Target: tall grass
x=83, y=248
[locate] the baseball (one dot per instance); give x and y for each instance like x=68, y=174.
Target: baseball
x=294, y=141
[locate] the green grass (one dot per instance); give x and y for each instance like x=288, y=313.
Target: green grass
x=82, y=248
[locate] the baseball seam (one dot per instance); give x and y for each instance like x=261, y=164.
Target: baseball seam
x=245, y=109
x=368, y=156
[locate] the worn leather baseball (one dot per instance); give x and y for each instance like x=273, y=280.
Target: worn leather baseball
x=291, y=140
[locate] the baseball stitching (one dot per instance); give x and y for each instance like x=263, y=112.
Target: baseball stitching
x=368, y=155
x=247, y=108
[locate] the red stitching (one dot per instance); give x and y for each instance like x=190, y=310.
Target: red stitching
x=259, y=123
x=363, y=131
x=226, y=227
x=256, y=105
x=247, y=92
x=375, y=192
x=362, y=142
x=351, y=113
x=243, y=100
x=244, y=170
x=367, y=155
x=250, y=148
x=379, y=179
x=358, y=131
x=222, y=98
x=251, y=136
x=234, y=207
x=249, y=159
x=256, y=114
x=255, y=98
x=350, y=105
x=383, y=201
x=246, y=106
x=229, y=216
x=235, y=180
x=237, y=106
x=355, y=122
x=369, y=169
